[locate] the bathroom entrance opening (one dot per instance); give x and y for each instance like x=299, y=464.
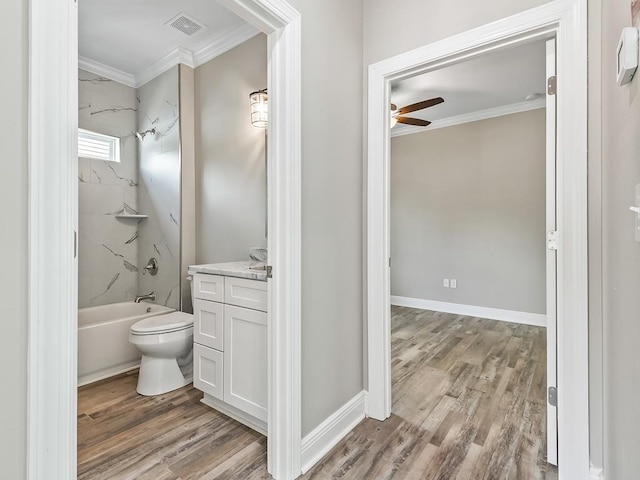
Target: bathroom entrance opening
x=52, y=325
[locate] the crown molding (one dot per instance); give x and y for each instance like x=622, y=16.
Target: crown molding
x=222, y=43
x=170, y=60
x=472, y=117
x=106, y=71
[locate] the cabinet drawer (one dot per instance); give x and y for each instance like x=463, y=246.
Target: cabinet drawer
x=208, y=323
x=208, y=287
x=208, y=370
x=246, y=293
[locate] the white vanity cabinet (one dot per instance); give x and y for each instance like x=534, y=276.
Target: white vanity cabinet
x=230, y=346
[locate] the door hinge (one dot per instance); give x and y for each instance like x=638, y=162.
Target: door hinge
x=269, y=269
x=389, y=262
x=552, y=396
x=552, y=240
x=75, y=244
x=551, y=85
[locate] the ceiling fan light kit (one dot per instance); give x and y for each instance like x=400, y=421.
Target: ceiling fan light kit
x=397, y=114
x=394, y=116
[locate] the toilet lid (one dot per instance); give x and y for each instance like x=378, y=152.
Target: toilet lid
x=170, y=322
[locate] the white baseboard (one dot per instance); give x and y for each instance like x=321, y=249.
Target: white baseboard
x=535, y=319
x=596, y=473
x=325, y=436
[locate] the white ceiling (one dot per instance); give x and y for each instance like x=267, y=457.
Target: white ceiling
x=495, y=82
x=128, y=41
x=131, y=36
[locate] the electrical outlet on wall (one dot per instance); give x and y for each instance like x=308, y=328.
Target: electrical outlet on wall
x=453, y=283
x=445, y=283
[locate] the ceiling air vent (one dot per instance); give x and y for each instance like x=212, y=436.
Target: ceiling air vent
x=185, y=23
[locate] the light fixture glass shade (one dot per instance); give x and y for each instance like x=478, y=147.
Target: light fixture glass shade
x=259, y=108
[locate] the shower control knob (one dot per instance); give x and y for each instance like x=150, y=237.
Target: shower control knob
x=152, y=266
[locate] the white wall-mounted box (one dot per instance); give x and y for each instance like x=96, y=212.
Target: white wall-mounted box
x=627, y=55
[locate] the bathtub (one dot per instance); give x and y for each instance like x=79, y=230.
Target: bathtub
x=103, y=338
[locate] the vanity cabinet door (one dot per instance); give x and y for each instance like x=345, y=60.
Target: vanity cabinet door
x=208, y=373
x=245, y=360
x=208, y=323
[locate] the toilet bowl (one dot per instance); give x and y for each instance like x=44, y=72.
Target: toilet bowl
x=166, y=344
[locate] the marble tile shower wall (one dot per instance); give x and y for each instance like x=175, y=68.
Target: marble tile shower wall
x=159, y=187
x=107, y=246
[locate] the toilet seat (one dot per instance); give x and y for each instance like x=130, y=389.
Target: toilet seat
x=171, y=322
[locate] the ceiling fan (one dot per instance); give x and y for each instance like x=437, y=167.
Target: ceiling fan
x=397, y=114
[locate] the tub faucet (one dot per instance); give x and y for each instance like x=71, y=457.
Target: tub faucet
x=148, y=296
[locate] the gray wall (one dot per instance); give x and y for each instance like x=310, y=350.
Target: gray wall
x=425, y=21
x=468, y=202
x=231, y=184
x=14, y=240
x=159, y=187
x=107, y=246
x=331, y=206
x=620, y=255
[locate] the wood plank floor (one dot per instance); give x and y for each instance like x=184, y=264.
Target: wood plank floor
x=468, y=403
x=123, y=435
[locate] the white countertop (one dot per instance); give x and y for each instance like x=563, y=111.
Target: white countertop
x=240, y=269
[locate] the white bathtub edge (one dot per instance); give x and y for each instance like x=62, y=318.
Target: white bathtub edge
x=106, y=373
x=104, y=349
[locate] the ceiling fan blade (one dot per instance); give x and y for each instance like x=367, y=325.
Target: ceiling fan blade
x=420, y=105
x=413, y=121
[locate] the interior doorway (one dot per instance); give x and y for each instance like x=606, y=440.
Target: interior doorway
x=53, y=223
x=472, y=197
x=542, y=23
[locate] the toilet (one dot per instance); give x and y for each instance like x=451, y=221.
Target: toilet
x=166, y=344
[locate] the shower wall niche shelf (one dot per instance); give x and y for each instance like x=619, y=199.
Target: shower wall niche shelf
x=132, y=216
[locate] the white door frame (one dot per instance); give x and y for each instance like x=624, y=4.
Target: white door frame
x=567, y=21
x=52, y=325
x=551, y=260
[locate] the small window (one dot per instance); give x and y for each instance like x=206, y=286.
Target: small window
x=98, y=146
